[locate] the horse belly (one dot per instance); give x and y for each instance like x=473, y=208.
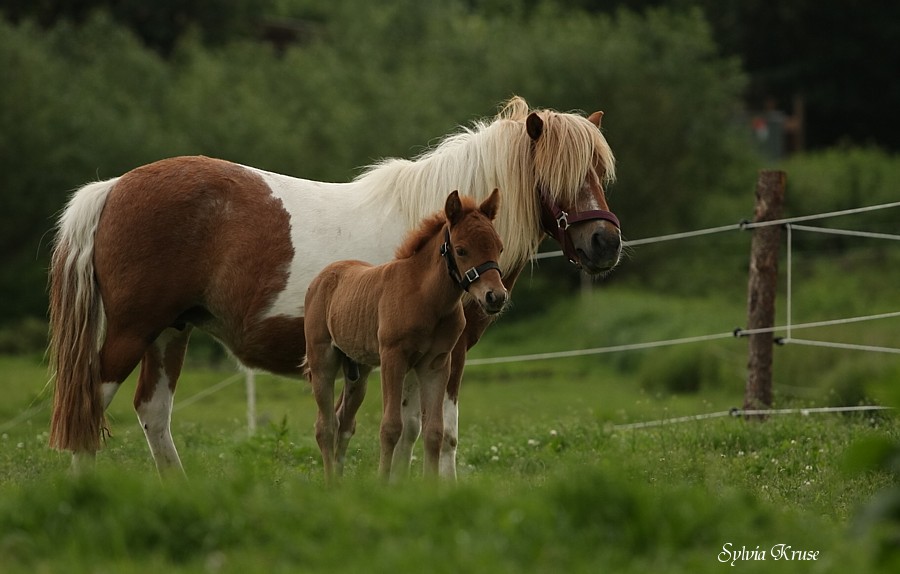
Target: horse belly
x=353, y=317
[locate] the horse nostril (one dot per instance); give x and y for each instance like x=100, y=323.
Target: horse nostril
x=604, y=242
x=495, y=300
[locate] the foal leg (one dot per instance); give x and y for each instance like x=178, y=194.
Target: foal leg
x=324, y=361
x=434, y=388
x=351, y=398
x=411, y=417
x=393, y=371
x=153, y=399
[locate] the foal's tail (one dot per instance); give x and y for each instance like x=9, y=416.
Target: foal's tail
x=77, y=324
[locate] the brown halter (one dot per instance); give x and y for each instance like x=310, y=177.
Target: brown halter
x=555, y=222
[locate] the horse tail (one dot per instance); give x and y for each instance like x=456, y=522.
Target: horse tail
x=77, y=324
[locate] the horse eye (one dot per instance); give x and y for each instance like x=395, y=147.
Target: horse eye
x=461, y=252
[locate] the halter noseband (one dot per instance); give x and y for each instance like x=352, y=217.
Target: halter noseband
x=464, y=280
x=556, y=222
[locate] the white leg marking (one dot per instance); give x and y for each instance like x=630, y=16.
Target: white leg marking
x=155, y=416
x=451, y=437
x=108, y=391
x=82, y=462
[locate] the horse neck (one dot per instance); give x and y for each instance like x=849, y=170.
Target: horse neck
x=419, y=187
x=428, y=270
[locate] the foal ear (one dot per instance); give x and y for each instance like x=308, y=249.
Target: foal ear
x=595, y=118
x=534, y=125
x=453, y=208
x=491, y=205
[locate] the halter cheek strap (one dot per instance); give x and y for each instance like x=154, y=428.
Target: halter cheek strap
x=464, y=280
x=556, y=223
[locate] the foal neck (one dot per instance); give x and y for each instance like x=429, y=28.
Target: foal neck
x=430, y=274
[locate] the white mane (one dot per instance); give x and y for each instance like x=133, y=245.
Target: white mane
x=498, y=154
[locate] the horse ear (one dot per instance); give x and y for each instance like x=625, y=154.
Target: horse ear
x=453, y=208
x=595, y=118
x=534, y=125
x=491, y=205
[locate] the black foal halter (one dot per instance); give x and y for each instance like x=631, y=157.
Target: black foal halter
x=464, y=280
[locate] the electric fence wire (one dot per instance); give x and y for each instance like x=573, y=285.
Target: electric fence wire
x=790, y=223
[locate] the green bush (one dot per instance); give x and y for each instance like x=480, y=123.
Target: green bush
x=91, y=101
x=25, y=337
x=844, y=178
x=685, y=369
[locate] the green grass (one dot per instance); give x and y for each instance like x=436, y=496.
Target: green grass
x=547, y=484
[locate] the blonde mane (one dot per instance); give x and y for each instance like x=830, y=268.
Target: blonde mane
x=498, y=153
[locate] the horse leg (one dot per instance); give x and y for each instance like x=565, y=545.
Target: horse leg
x=84, y=460
x=351, y=399
x=323, y=364
x=120, y=353
x=411, y=417
x=434, y=387
x=393, y=371
x=450, y=409
x=153, y=399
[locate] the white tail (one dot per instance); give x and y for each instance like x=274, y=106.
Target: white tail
x=77, y=324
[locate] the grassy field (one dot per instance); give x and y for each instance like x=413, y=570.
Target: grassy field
x=547, y=484
x=549, y=481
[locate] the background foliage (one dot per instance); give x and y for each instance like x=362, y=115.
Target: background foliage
x=317, y=90
x=95, y=94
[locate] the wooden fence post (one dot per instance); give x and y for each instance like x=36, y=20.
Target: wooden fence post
x=764, y=249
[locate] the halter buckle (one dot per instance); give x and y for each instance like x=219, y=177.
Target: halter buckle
x=562, y=221
x=472, y=275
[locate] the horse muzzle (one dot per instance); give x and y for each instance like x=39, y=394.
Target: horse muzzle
x=494, y=301
x=601, y=251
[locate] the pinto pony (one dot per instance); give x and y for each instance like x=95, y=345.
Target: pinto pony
x=405, y=315
x=142, y=259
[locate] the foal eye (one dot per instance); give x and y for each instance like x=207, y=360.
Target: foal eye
x=461, y=252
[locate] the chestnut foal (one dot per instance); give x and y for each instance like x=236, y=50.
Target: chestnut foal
x=405, y=315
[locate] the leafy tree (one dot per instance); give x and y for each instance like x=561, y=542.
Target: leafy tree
x=160, y=24
x=836, y=56
x=92, y=100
